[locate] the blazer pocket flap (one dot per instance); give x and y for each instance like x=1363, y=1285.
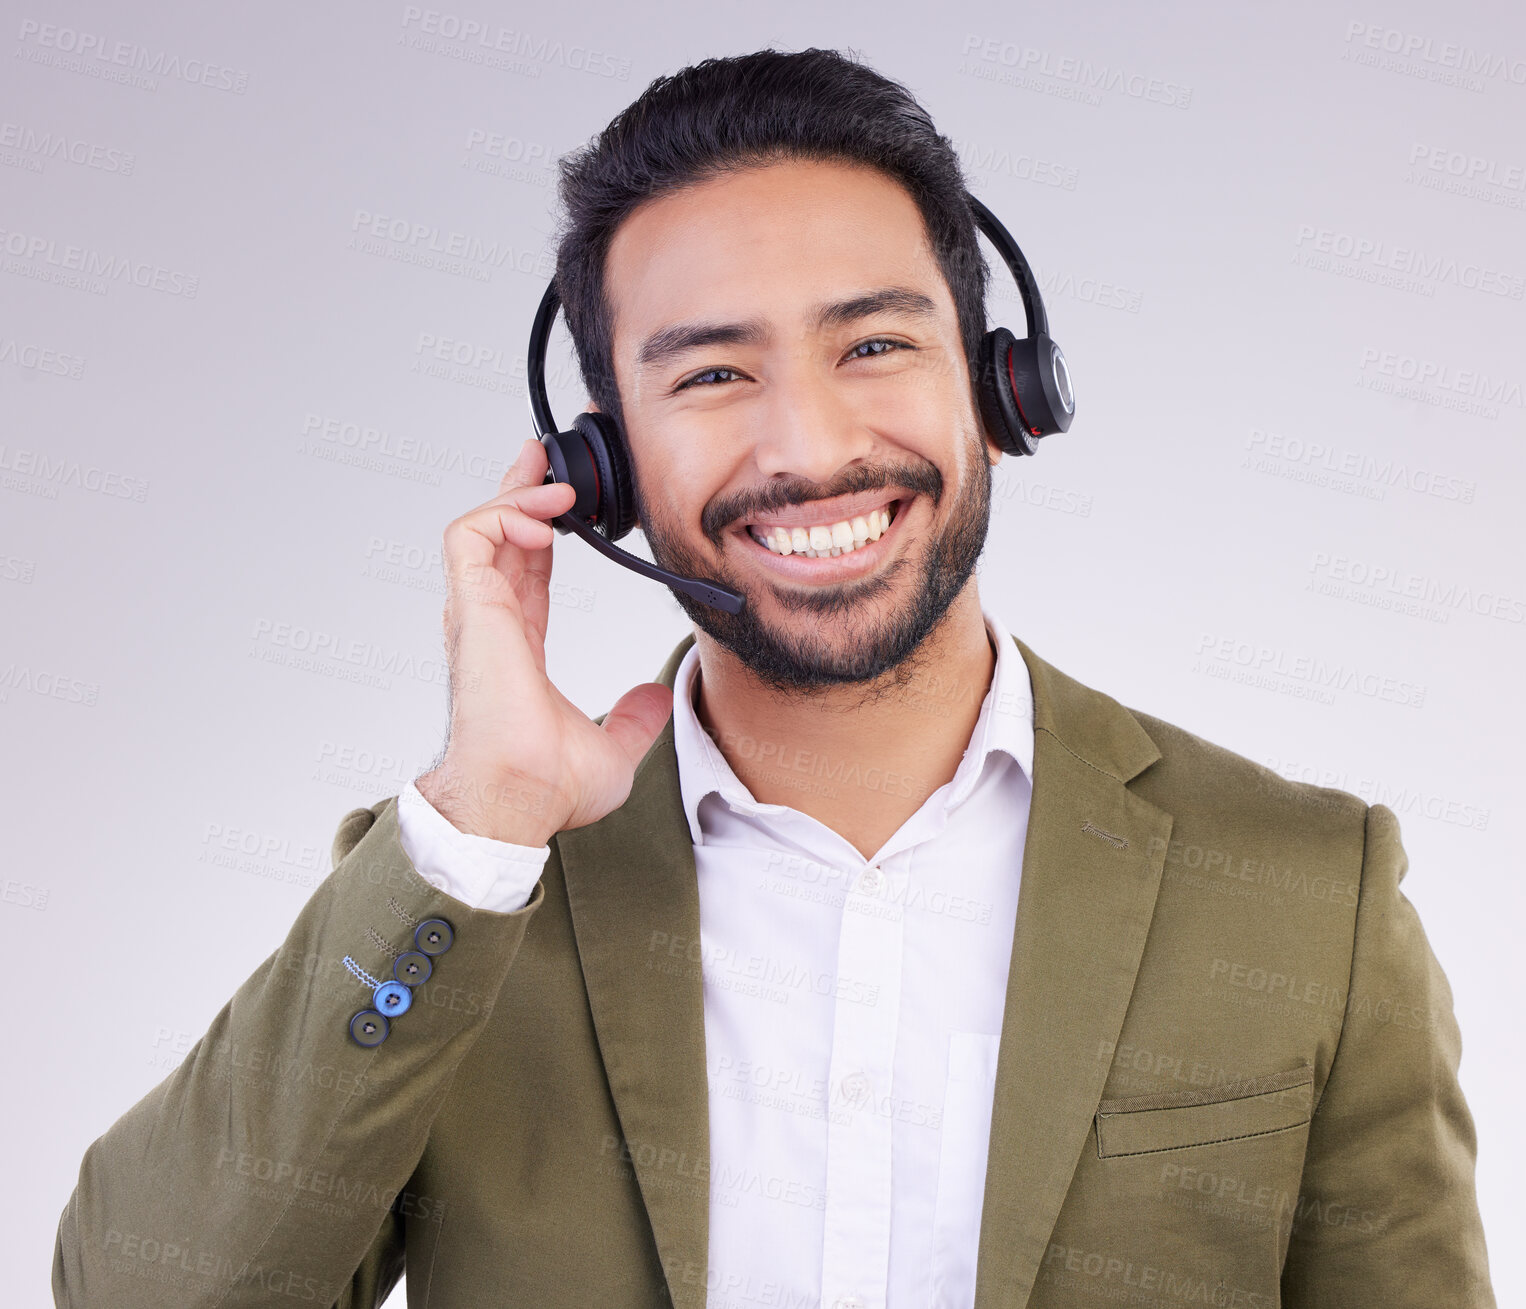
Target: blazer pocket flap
x=1139, y=1124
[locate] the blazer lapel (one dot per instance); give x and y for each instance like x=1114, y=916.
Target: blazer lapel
x=634, y=898
x=1092, y=864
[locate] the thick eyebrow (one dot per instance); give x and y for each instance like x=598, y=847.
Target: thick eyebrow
x=665, y=343
x=886, y=300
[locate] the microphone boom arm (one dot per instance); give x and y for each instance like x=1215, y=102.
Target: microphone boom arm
x=710, y=593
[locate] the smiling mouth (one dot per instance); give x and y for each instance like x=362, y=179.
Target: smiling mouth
x=826, y=540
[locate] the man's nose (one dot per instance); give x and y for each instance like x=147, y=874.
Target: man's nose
x=807, y=428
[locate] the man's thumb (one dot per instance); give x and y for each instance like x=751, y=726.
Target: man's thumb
x=637, y=718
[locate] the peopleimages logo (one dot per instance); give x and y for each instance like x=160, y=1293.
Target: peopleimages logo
x=45, y=255
x=442, y=249
x=42, y=472
x=61, y=146
x=1430, y=372
x=1384, y=586
x=1306, y=676
x=1471, y=168
x=1411, y=47
x=41, y=359
x=78, y=46
x=322, y=432
x=989, y=158
x=474, y=41
x=1368, y=260
x=1440, y=385
x=1086, y=77
x=1369, y=475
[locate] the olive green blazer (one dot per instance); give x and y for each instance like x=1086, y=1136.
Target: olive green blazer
x=1227, y=1073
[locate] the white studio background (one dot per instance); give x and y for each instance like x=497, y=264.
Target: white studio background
x=1282, y=247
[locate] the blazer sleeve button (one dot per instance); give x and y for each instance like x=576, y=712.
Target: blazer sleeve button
x=368, y=1028
x=434, y=936
x=392, y=999
x=412, y=967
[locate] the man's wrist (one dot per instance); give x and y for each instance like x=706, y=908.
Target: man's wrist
x=498, y=809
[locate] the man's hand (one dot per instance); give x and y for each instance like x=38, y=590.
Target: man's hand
x=522, y=762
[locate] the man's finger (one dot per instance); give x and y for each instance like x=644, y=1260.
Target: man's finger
x=527, y=469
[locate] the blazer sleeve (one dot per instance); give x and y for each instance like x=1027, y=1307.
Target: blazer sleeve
x=1387, y=1214
x=273, y=1164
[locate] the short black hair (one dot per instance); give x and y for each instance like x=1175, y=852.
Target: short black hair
x=725, y=114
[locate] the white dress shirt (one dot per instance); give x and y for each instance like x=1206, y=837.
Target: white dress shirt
x=852, y=1006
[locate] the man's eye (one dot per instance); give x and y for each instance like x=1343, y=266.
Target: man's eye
x=879, y=340
x=699, y=378
x=709, y=372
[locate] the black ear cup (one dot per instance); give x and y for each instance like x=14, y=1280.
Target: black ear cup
x=569, y=460
x=1041, y=378
x=616, y=490
x=1024, y=389
x=591, y=459
x=998, y=403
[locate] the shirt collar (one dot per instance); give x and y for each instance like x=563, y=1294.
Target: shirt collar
x=1005, y=724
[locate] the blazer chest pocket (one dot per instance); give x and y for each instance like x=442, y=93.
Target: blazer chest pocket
x=1174, y=1120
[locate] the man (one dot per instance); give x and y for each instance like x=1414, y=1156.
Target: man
x=863, y=958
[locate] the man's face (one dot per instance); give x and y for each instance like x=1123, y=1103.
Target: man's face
x=748, y=410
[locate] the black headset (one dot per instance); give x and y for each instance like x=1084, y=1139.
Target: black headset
x=1023, y=388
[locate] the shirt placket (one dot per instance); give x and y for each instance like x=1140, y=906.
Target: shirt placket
x=856, y=1235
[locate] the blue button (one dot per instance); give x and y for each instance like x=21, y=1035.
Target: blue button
x=433, y=936
x=392, y=999
x=412, y=967
x=368, y=1028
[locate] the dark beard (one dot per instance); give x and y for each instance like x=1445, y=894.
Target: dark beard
x=795, y=665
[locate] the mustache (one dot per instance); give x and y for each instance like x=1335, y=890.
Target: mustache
x=741, y=506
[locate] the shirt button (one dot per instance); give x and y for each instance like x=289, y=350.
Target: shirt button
x=870, y=880
x=854, y=1087
x=433, y=936
x=368, y=1027
x=392, y=999
x=847, y=1302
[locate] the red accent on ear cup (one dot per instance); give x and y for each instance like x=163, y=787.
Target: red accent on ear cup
x=615, y=512
x=997, y=393
x=1017, y=399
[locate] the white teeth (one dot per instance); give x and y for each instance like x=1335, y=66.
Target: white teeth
x=822, y=541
